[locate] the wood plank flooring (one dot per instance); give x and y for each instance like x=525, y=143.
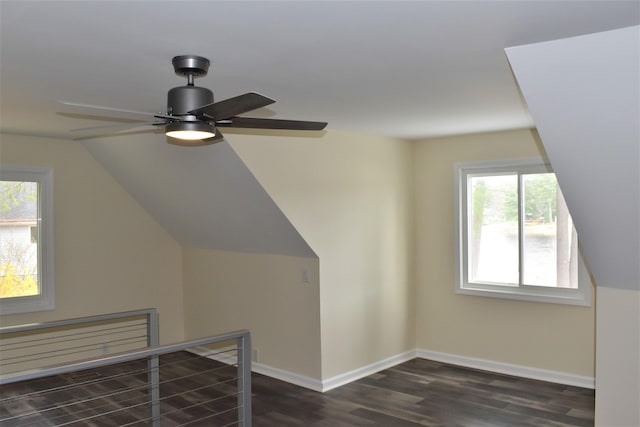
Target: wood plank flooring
x=416, y=393
x=424, y=393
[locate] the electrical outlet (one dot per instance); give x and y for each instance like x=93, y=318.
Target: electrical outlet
x=305, y=275
x=254, y=357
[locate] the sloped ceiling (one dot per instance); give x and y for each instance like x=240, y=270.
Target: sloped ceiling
x=585, y=95
x=205, y=197
x=398, y=69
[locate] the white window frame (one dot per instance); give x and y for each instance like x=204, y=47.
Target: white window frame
x=46, y=298
x=580, y=296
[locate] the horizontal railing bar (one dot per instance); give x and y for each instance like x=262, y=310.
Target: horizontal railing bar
x=75, y=401
x=86, y=347
x=119, y=357
x=113, y=411
x=72, y=402
x=81, y=334
x=181, y=409
x=74, y=321
x=190, y=422
x=102, y=414
x=82, y=350
x=68, y=387
x=107, y=378
x=210, y=416
x=75, y=412
x=195, y=405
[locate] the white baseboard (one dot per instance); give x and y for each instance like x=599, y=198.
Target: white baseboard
x=356, y=374
x=509, y=369
x=290, y=377
x=260, y=368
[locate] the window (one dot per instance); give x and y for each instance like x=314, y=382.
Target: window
x=515, y=237
x=26, y=239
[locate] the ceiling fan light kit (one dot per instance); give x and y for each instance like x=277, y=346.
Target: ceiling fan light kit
x=190, y=130
x=192, y=114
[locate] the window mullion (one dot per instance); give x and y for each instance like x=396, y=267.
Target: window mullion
x=520, y=231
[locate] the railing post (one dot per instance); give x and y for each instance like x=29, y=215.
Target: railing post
x=153, y=365
x=244, y=379
x=152, y=328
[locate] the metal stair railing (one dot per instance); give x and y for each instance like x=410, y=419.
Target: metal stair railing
x=178, y=384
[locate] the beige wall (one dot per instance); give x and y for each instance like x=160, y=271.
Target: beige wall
x=352, y=198
x=539, y=335
x=618, y=357
x=349, y=196
x=110, y=255
x=227, y=291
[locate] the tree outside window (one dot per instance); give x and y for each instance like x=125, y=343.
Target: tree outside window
x=515, y=237
x=18, y=250
x=26, y=239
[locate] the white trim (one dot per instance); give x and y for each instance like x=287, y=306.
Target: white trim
x=453, y=359
x=580, y=296
x=509, y=369
x=287, y=376
x=279, y=374
x=308, y=382
x=364, y=371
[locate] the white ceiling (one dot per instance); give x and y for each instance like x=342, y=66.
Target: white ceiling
x=393, y=68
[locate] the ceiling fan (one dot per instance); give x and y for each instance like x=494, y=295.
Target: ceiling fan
x=192, y=117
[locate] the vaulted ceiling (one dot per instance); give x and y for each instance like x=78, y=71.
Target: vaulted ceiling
x=399, y=69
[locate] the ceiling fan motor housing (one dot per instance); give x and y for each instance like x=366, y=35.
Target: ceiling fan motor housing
x=182, y=99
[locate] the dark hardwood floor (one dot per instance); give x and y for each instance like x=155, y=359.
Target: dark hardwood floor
x=424, y=393
x=415, y=393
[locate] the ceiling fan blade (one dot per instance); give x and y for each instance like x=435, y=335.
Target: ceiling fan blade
x=259, y=123
x=233, y=106
x=128, y=113
x=115, y=130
